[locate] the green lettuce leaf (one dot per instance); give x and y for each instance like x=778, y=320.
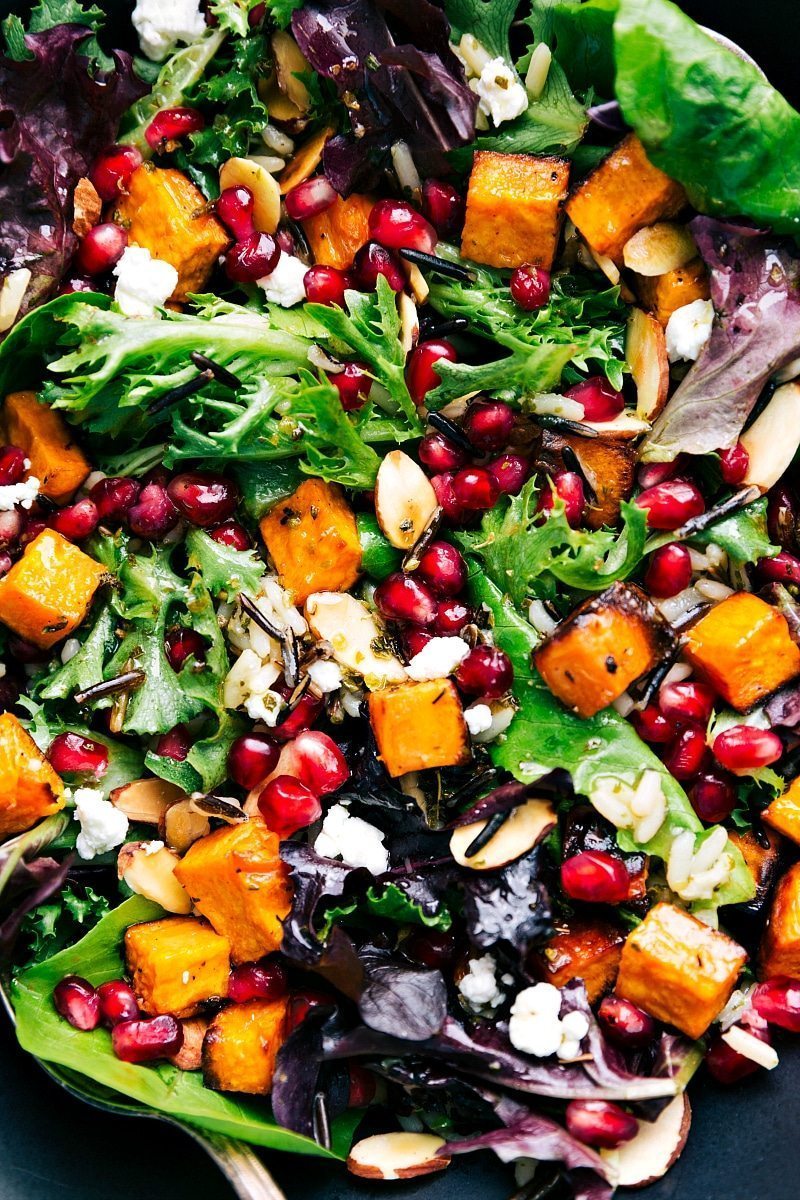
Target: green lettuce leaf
x=48, y=928
x=223, y=569
x=743, y=535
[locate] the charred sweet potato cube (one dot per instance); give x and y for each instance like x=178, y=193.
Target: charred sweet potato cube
x=47, y=592
x=783, y=813
x=762, y=855
x=55, y=457
x=780, y=947
x=418, y=726
x=312, y=538
x=678, y=969
x=241, y=1044
x=164, y=212
x=608, y=463
x=620, y=196
x=744, y=649
x=600, y=649
x=663, y=294
x=176, y=964
x=337, y=233
x=587, y=950
x=29, y=787
x=514, y=209
x=236, y=879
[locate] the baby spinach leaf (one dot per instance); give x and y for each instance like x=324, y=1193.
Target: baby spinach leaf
x=584, y=35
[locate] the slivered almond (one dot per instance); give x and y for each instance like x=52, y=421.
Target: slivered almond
x=409, y=322
x=289, y=63
x=655, y=1148
x=404, y=499
x=183, y=826
x=190, y=1055
x=87, y=207
x=646, y=352
x=397, y=1156
x=772, y=440
x=250, y=173
x=12, y=293
x=306, y=160
x=151, y=873
x=146, y=800
x=626, y=425
x=659, y=248
x=356, y=637
x=519, y=833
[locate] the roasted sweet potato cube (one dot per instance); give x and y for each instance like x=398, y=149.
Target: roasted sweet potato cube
x=29, y=787
x=620, y=196
x=587, y=950
x=601, y=648
x=337, y=233
x=237, y=880
x=608, y=463
x=663, y=294
x=762, y=853
x=312, y=538
x=55, y=457
x=176, y=965
x=47, y=592
x=783, y=813
x=164, y=212
x=241, y=1044
x=418, y=726
x=678, y=969
x=780, y=947
x=744, y=649
x=514, y=209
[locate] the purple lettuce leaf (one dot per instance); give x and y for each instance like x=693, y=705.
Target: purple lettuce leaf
x=510, y=906
x=55, y=117
x=784, y=707
x=500, y=799
x=48, y=877
x=407, y=1002
x=314, y=880
x=755, y=288
x=300, y=1076
x=534, y=1136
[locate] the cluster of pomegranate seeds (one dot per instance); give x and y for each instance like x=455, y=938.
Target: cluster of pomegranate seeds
x=203, y=499
x=171, y=124
x=374, y=260
x=263, y=980
x=310, y=198
x=395, y=224
x=421, y=374
x=570, y=489
x=112, y=170
x=601, y=402
x=669, y=571
x=74, y=754
x=251, y=758
x=148, y=1039
x=252, y=258
x=101, y=249
x=600, y=1123
x=114, y=497
x=326, y=285
x=595, y=877
x=235, y=209
x=530, y=287
x=624, y=1024
x=310, y=765
x=671, y=504
x=353, y=383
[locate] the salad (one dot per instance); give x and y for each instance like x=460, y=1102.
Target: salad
x=399, y=569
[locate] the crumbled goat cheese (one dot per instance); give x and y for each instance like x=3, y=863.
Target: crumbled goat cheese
x=501, y=96
x=502, y=716
x=479, y=985
x=739, y=1003
x=162, y=24
x=250, y=680
x=641, y=809
x=696, y=874
x=688, y=330
x=102, y=825
x=536, y=1028
x=325, y=675
x=478, y=718
x=143, y=282
x=285, y=286
x=356, y=842
x=152, y=847
x=22, y=495
x=438, y=658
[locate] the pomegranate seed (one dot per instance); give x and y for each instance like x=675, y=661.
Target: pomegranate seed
x=420, y=375
x=727, y=1065
x=669, y=570
x=301, y=1004
x=77, y=521
x=302, y=717
x=395, y=224
x=596, y=877
x=713, y=798
x=669, y=505
x=649, y=474
x=782, y=516
x=114, y=498
x=403, y=598
x=202, y=498
x=743, y=748
x=6, y=563
x=252, y=758
x=101, y=248
x=148, y=1039
x=171, y=124
x=263, y=980
x=74, y=754
x=373, y=260
x=601, y=402
x=231, y=533
x=415, y=640
x=117, y=1002
x=510, y=473
x=569, y=488
x=652, y=726
x=778, y=1001
x=112, y=170
x=153, y=515
x=182, y=644
x=326, y=285
x=12, y=522
x=363, y=1086
x=431, y=947
x=687, y=753
x=286, y=242
x=252, y=258
x=12, y=465
x=287, y=805
x=734, y=463
x=78, y=1002
x=530, y=287
x=175, y=744
x=625, y=1024
x=600, y=1123
x=475, y=489
x=310, y=198
x=235, y=208
x=486, y=671
x=316, y=760
x=353, y=385
x=451, y=617
x=686, y=701
x=442, y=485
x=783, y=568
x=443, y=568
x=256, y=16
x=444, y=207
x=489, y=424
x=440, y=454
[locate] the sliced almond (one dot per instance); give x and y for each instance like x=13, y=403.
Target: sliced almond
x=279, y=106
x=306, y=160
x=418, y=283
x=183, y=826
x=87, y=207
x=12, y=293
x=397, y=1156
x=773, y=438
x=249, y=173
x=519, y=833
x=404, y=499
x=659, y=248
x=751, y=1047
x=190, y=1055
x=655, y=1148
x=147, y=800
x=409, y=322
x=357, y=639
x=150, y=872
x=626, y=425
x=607, y=266
x=646, y=352
x=289, y=63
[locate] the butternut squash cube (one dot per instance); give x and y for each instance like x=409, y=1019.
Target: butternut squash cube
x=241, y=1044
x=176, y=965
x=312, y=538
x=663, y=294
x=337, y=233
x=780, y=946
x=620, y=196
x=744, y=649
x=237, y=880
x=606, y=644
x=47, y=592
x=29, y=787
x=609, y=464
x=164, y=212
x=587, y=950
x=678, y=969
x=418, y=726
x=783, y=813
x=55, y=457
x=514, y=209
